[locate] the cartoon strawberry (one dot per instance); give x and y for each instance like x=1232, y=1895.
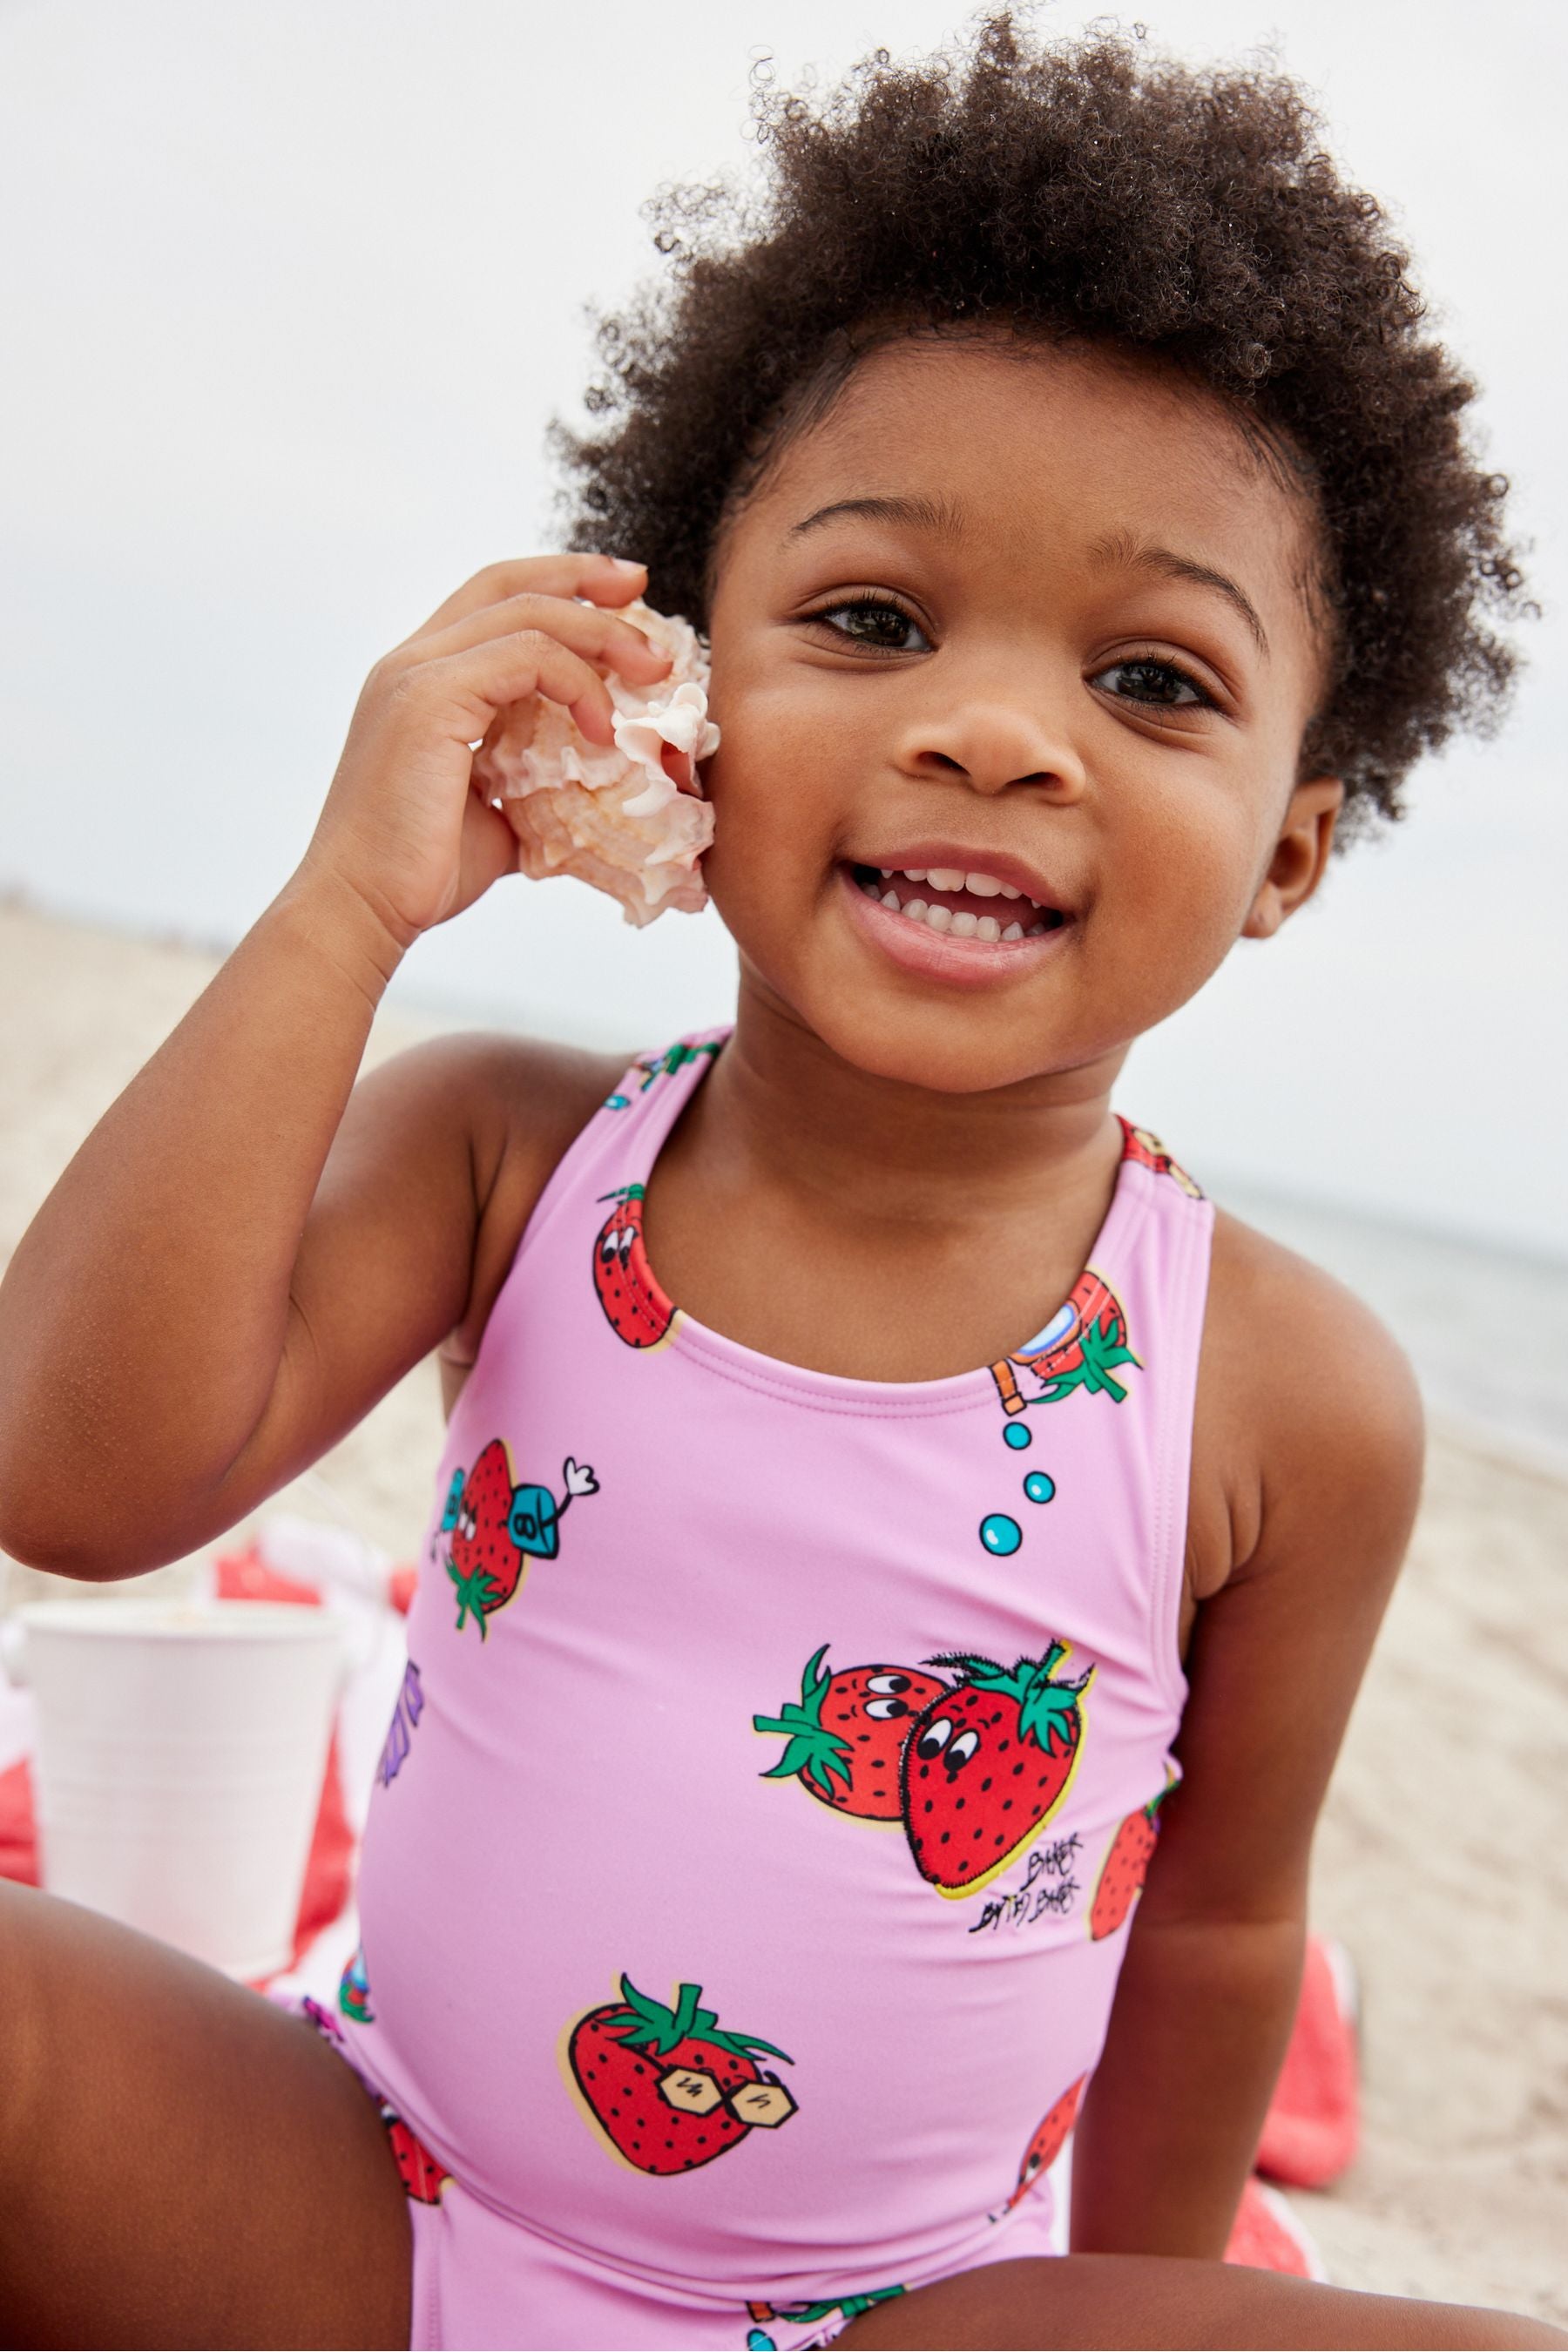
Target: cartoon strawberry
x=669, y=2088
x=423, y=2176
x=354, y=1992
x=987, y=1765
x=1081, y=1346
x=1121, y=1874
x=498, y=1525
x=848, y=1733
x=1047, y=2144
x=1139, y=1144
x=638, y=1309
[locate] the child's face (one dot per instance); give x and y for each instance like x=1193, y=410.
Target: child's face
x=1067, y=708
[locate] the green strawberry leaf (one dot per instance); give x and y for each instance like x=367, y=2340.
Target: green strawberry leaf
x=473, y=1591
x=655, y=2027
x=1047, y=1709
x=1102, y=1352
x=1151, y=1810
x=813, y=1753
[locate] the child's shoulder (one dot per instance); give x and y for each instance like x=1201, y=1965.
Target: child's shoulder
x=525, y=1081
x=1308, y=1411
x=514, y=1103
x=507, y=1108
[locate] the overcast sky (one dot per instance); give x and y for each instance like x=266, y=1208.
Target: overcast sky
x=289, y=293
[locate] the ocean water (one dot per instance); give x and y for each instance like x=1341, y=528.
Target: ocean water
x=1486, y=1328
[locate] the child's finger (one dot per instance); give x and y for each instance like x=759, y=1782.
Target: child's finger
x=597, y=635
x=468, y=688
x=603, y=578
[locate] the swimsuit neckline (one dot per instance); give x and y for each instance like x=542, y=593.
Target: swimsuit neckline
x=840, y=1392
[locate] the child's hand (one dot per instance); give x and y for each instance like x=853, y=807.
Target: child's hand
x=404, y=827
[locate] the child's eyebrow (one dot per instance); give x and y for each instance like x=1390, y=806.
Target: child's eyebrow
x=1119, y=546
x=937, y=515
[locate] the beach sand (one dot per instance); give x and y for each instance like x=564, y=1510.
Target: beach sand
x=1441, y=1859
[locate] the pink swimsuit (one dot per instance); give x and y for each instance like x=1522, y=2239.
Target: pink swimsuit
x=745, y=1888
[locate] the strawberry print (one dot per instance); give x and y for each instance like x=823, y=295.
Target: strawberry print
x=498, y=1525
x=987, y=1765
x=636, y=1307
x=1083, y=1345
x=1047, y=2144
x=670, y=2088
x=846, y=1735
x=423, y=2178
x=1121, y=1874
x=354, y=1992
x=1139, y=1144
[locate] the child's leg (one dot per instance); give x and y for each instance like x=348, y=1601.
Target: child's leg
x=1141, y=2300
x=181, y=2163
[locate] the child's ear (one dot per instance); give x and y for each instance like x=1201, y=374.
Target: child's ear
x=1299, y=856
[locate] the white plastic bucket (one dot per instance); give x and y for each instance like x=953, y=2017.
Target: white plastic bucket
x=180, y=1753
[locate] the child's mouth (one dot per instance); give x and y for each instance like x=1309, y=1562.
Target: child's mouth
x=962, y=905
x=962, y=926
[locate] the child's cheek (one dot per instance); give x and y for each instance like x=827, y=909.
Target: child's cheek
x=776, y=813
x=1175, y=885
x=752, y=870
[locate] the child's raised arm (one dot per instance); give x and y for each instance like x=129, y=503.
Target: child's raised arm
x=231, y=1270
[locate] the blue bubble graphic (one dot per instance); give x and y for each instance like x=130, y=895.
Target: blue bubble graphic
x=1038, y=1487
x=1001, y=1534
x=1018, y=1433
x=616, y=1102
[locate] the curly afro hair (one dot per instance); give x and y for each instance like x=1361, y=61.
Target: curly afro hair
x=1081, y=189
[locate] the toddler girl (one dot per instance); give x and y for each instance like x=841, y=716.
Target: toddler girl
x=881, y=1492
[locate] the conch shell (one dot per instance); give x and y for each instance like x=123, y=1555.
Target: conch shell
x=614, y=816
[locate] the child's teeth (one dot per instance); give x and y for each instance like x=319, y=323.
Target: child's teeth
x=963, y=924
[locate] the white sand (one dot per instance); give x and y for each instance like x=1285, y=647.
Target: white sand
x=1441, y=1861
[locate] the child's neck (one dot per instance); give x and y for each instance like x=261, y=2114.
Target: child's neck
x=905, y=1154
x=796, y=1196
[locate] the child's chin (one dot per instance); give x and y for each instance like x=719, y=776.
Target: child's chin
x=970, y=1046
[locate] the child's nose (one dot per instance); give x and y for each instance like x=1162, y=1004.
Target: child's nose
x=990, y=744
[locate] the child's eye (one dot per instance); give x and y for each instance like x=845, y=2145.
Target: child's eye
x=884, y=623
x=1157, y=684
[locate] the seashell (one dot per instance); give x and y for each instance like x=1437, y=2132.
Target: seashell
x=613, y=815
